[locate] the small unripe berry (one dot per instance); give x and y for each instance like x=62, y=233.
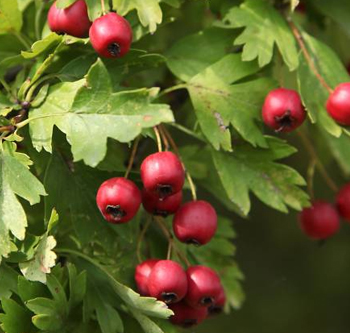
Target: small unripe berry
x=73, y=20
x=111, y=36
x=195, y=222
x=142, y=273
x=162, y=173
x=187, y=316
x=319, y=221
x=343, y=202
x=118, y=199
x=165, y=207
x=283, y=110
x=167, y=282
x=204, y=286
x=338, y=104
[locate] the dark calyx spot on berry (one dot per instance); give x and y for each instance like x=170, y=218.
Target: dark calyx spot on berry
x=193, y=241
x=169, y=298
x=187, y=323
x=215, y=309
x=61, y=33
x=284, y=121
x=158, y=212
x=164, y=191
x=114, y=49
x=115, y=211
x=207, y=301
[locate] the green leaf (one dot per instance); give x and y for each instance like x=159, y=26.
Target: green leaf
x=10, y=17
x=97, y=114
x=249, y=169
x=64, y=3
x=264, y=27
x=43, y=46
x=8, y=278
x=16, y=319
x=109, y=319
x=28, y=290
x=147, y=324
x=218, y=103
x=210, y=45
x=15, y=179
x=314, y=94
x=77, y=286
x=149, y=11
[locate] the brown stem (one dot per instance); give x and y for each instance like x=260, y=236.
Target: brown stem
x=164, y=137
x=159, y=141
x=9, y=128
x=320, y=167
x=307, y=56
x=132, y=157
x=170, y=238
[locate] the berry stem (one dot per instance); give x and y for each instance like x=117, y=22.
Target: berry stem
x=300, y=41
x=170, y=247
x=164, y=137
x=132, y=157
x=159, y=141
x=320, y=167
x=103, y=7
x=141, y=237
x=171, y=89
x=170, y=238
x=177, y=152
x=310, y=177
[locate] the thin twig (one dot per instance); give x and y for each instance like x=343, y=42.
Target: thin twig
x=307, y=56
x=159, y=141
x=103, y=7
x=164, y=137
x=310, y=177
x=132, y=157
x=171, y=89
x=320, y=167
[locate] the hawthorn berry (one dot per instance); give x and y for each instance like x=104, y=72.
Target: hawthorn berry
x=338, y=104
x=165, y=207
x=319, y=221
x=343, y=202
x=195, y=222
x=118, y=199
x=187, y=316
x=167, y=282
x=111, y=35
x=204, y=286
x=283, y=110
x=162, y=173
x=73, y=20
x=142, y=273
x=219, y=304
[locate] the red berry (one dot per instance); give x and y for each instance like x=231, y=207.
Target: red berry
x=195, y=222
x=343, y=202
x=204, y=286
x=142, y=274
x=319, y=221
x=186, y=316
x=118, y=199
x=111, y=35
x=283, y=110
x=219, y=304
x=162, y=173
x=338, y=104
x=167, y=282
x=73, y=20
x=165, y=207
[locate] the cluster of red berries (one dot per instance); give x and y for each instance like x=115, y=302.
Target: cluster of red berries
x=192, y=295
x=110, y=35
x=283, y=110
x=321, y=220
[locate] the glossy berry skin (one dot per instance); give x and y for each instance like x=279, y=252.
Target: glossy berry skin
x=162, y=173
x=118, y=199
x=167, y=282
x=283, y=110
x=319, y=221
x=338, y=104
x=219, y=304
x=343, y=202
x=187, y=316
x=111, y=36
x=73, y=20
x=165, y=207
x=142, y=273
x=195, y=222
x=204, y=286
